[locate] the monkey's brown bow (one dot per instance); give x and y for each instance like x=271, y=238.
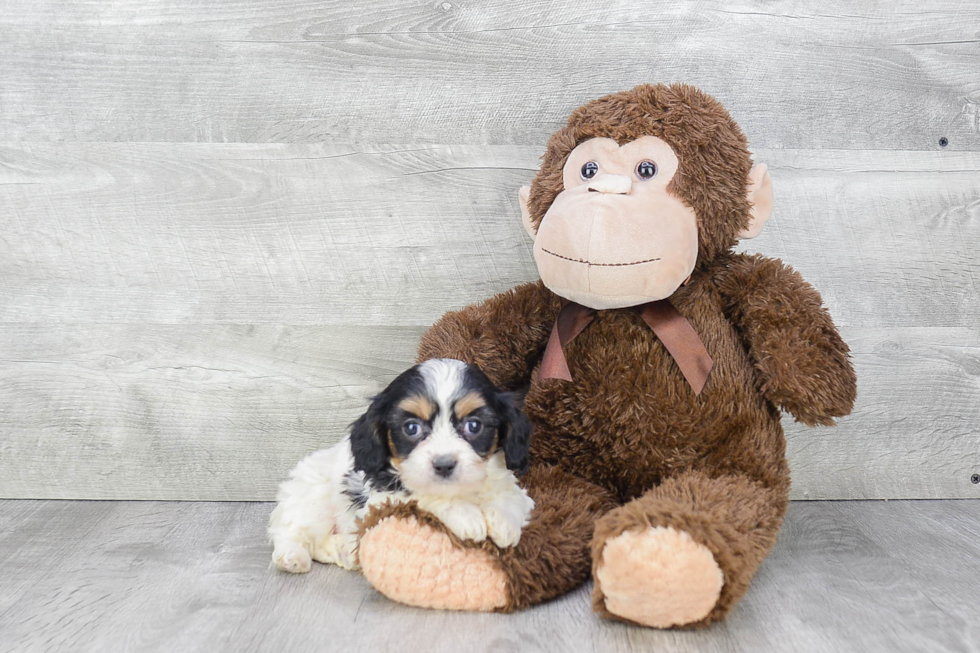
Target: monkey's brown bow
x=674, y=331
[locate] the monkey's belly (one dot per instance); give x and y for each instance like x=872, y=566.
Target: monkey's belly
x=629, y=418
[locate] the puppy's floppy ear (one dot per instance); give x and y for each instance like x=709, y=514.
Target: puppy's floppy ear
x=515, y=433
x=368, y=439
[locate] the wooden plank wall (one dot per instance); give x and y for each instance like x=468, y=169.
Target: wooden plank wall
x=223, y=225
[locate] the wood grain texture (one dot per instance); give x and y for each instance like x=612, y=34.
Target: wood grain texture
x=223, y=226
x=913, y=432
x=223, y=412
x=841, y=75
x=148, y=576
x=330, y=234
x=311, y=234
x=187, y=321
x=180, y=412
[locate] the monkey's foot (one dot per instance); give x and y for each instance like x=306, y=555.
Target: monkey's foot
x=658, y=577
x=420, y=565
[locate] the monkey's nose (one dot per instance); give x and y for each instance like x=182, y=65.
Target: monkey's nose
x=616, y=184
x=444, y=465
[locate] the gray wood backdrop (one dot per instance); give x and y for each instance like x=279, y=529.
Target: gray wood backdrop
x=225, y=224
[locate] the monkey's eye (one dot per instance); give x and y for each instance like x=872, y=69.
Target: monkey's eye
x=589, y=170
x=646, y=170
x=472, y=427
x=412, y=429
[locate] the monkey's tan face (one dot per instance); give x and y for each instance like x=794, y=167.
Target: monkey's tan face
x=615, y=237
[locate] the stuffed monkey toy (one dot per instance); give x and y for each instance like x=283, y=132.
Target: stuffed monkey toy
x=656, y=362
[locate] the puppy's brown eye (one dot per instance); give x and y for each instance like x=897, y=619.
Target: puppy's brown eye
x=472, y=427
x=412, y=429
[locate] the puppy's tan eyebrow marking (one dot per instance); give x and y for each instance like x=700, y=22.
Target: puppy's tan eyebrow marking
x=467, y=404
x=421, y=407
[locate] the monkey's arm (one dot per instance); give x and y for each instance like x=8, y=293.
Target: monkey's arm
x=802, y=361
x=504, y=336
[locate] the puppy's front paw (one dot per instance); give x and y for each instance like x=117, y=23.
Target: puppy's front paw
x=503, y=529
x=292, y=557
x=463, y=519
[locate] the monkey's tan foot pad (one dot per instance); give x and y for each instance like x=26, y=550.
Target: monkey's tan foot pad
x=416, y=564
x=658, y=577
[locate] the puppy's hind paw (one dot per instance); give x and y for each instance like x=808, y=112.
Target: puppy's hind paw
x=294, y=559
x=338, y=550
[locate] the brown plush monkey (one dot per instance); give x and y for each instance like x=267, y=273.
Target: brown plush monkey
x=658, y=460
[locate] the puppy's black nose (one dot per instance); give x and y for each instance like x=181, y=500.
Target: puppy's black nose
x=444, y=465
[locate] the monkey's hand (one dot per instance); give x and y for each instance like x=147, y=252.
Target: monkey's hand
x=410, y=557
x=793, y=343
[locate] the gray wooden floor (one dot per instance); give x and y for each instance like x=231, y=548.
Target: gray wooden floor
x=126, y=576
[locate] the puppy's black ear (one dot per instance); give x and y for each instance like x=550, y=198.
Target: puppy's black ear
x=515, y=434
x=368, y=439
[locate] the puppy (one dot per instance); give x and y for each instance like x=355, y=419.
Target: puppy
x=440, y=434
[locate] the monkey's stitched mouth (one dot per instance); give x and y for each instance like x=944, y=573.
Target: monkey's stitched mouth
x=604, y=265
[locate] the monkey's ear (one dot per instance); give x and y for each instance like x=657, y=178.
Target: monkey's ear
x=522, y=196
x=760, y=194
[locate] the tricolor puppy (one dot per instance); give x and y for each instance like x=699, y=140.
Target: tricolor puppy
x=442, y=435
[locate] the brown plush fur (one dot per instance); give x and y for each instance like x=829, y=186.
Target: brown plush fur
x=629, y=431
x=551, y=545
